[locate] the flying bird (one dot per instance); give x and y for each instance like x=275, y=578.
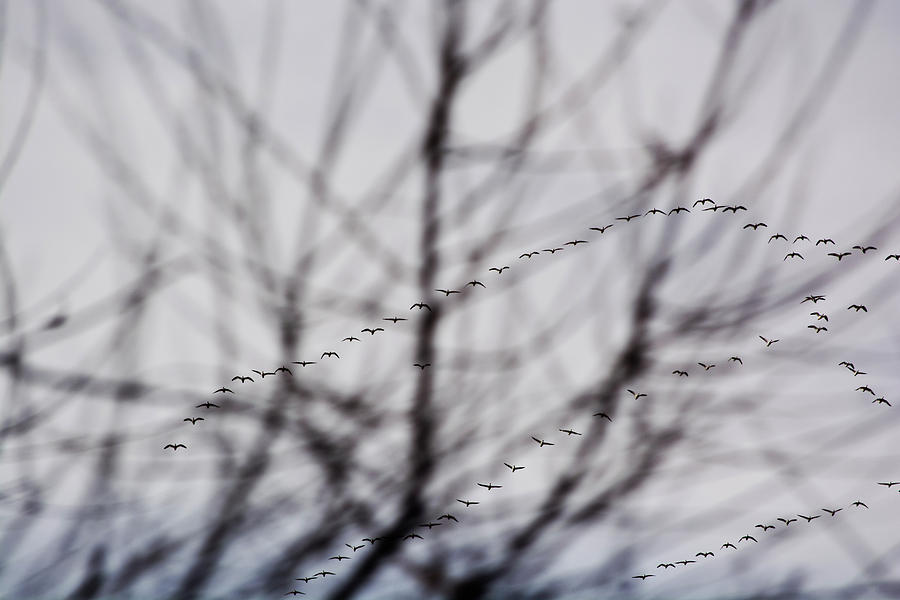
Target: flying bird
x=603, y=415
x=858, y=504
x=832, y=512
x=864, y=389
x=542, y=443
x=736, y=359
x=513, y=468
x=552, y=250
x=475, y=282
x=304, y=363
x=295, y=593
x=730, y=545
x=371, y=331
x=222, y=390
x=499, y=270
x=706, y=366
x=765, y=527
x=641, y=577
x=305, y=579
x=786, y=522
x=894, y=256
x=705, y=554
x=449, y=517
x=448, y=292
x=602, y=229
x=734, y=208
x=768, y=342
x=814, y=298
x=800, y=238
x=570, y=432
x=412, y=536
x=792, y=255
x=628, y=218
x=839, y=255
x=575, y=242
x=241, y=378
x=809, y=519
x=283, y=369
x=754, y=226
x=665, y=565
x=857, y=372
x=372, y=540
x=526, y=255
x=636, y=395
x=488, y=486
x=704, y=201
x=849, y=365
x=174, y=447
x=194, y=420
x=422, y=366
x=864, y=249
x=889, y=483
x=330, y=354
x=679, y=209
x=263, y=373
x=714, y=208
x=819, y=316
x=207, y=404
x=430, y=526
x=825, y=241
x=351, y=338
x=394, y=319
x=339, y=557
x=468, y=503
x=324, y=573
x=748, y=538
x=818, y=329
x=684, y=562
x=880, y=401
x=421, y=305
x=654, y=211
x=355, y=548
x=680, y=373
x=858, y=307
x=777, y=236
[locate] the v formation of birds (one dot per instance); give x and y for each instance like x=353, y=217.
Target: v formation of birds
x=818, y=326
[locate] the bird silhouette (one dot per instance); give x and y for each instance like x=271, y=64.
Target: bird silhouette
x=263, y=374
x=809, y=519
x=371, y=331
x=223, y=390
x=542, y=443
x=330, y=354
x=339, y=557
x=849, y=365
x=304, y=363
x=754, y=226
x=570, y=432
x=793, y=255
x=207, y=404
x=636, y=394
x=705, y=554
x=628, y=218
x=552, y=250
x=641, y=577
x=680, y=373
x=864, y=249
x=413, y=536
x=242, y=378
x=839, y=255
x=819, y=316
x=513, y=468
x=355, y=548
x=430, y=526
x=734, y=208
x=800, y=238
x=499, y=270
x=324, y=573
x=858, y=307
x=603, y=415
x=777, y=236
x=818, y=329
x=704, y=201
x=449, y=517
x=174, y=447
x=684, y=562
x=372, y=540
x=602, y=229
x=894, y=256
x=857, y=372
x=825, y=241
x=736, y=359
x=488, y=486
x=448, y=292
x=575, y=242
x=679, y=209
x=765, y=527
x=654, y=211
x=194, y=420
x=295, y=593
x=865, y=389
x=283, y=369
x=730, y=545
x=832, y=511
x=748, y=538
x=858, y=504
x=880, y=401
x=350, y=338
x=475, y=282
x=421, y=305
x=305, y=579
x=394, y=319
x=468, y=503
x=665, y=565
x=422, y=366
x=786, y=522
x=814, y=298
x=714, y=208
x=525, y=255
x=706, y=366
x=768, y=342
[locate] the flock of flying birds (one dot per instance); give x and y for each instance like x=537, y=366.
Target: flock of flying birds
x=445, y=519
